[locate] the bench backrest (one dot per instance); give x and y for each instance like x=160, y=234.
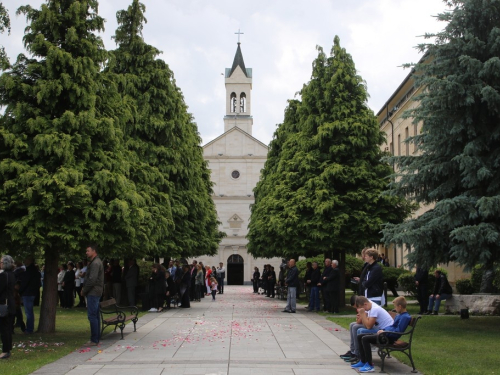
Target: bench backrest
x=107, y=303
x=413, y=323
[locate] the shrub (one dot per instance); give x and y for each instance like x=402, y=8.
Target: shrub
x=407, y=282
x=464, y=286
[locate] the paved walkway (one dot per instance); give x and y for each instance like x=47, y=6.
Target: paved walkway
x=239, y=334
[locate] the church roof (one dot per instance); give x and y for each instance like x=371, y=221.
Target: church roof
x=238, y=61
x=235, y=128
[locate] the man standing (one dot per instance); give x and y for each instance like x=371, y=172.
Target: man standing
x=292, y=281
x=335, y=287
x=131, y=281
x=221, y=275
x=326, y=285
x=31, y=281
x=94, y=286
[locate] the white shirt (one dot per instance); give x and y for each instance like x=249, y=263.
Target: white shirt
x=84, y=270
x=78, y=275
x=384, y=319
x=60, y=277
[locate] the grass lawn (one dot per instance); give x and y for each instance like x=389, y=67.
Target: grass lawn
x=450, y=345
x=30, y=352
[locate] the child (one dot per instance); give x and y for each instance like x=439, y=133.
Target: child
x=364, y=340
x=213, y=286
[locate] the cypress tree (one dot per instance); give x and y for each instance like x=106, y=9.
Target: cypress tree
x=457, y=172
x=168, y=162
x=325, y=191
x=63, y=167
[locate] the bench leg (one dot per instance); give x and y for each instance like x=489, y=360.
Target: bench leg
x=135, y=321
x=411, y=360
x=121, y=329
x=382, y=354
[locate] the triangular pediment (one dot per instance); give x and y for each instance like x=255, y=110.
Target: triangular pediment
x=235, y=129
x=235, y=219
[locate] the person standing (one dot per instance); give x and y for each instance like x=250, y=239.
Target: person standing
x=83, y=274
x=184, y=287
x=60, y=279
x=31, y=281
x=315, y=282
x=78, y=282
x=208, y=274
x=255, y=279
x=373, y=282
x=334, y=284
x=307, y=285
x=221, y=275
x=116, y=279
x=326, y=285
x=68, y=285
x=7, y=283
x=198, y=282
x=292, y=282
x=421, y=277
x=131, y=281
x=93, y=289
x=271, y=282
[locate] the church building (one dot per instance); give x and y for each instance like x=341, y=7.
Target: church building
x=235, y=159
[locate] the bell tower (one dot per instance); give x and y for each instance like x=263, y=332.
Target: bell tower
x=238, y=80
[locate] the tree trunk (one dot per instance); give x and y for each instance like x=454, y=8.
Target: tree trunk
x=47, y=322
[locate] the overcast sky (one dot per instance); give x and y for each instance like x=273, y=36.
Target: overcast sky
x=198, y=41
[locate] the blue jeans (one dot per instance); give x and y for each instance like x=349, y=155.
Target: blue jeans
x=436, y=302
x=314, y=299
x=30, y=315
x=93, y=315
x=364, y=331
x=291, y=299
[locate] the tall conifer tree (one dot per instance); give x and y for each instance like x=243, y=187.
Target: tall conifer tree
x=458, y=169
x=63, y=167
x=326, y=195
x=168, y=162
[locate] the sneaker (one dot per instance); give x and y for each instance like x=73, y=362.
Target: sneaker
x=358, y=365
x=346, y=355
x=287, y=311
x=434, y=313
x=152, y=309
x=292, y=312
x=367, y=368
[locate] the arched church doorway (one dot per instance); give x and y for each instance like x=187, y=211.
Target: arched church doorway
x=235, y=270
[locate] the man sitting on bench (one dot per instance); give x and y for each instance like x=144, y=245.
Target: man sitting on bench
x=365, y=339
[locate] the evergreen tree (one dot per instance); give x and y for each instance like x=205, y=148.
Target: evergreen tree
x=168, y=162
x=321, y=190
x=63, y=167
x=457, y=170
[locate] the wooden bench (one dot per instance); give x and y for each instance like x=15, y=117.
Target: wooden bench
x=114, y=315
x=385, y=347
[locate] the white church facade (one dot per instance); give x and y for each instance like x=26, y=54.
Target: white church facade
x=236, y=159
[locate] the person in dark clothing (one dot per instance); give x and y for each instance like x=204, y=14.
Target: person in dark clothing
x=442, y=291
x=361, y=289
x=19, y=318
x=184, y=287
x=330, y=287
x=271, y=282
x=31, y=281
x=171, y=289
x=202, y=295
x=373, y=280
x=160, y=287
x=325, y=290
x=116, y=281
x=421, y=278
x=193, y=269
x=314, y=281
x=307, y=286
x=69, y=286
x=255, y=280
x=7, y=283
x=265, y=270
x=157, y=288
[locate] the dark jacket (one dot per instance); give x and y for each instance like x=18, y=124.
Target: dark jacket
x=69, y=280
x=256, y=276
x=7, y=283
x=442, y=286
x=333, y=280
x=116, y=274
x=373, y=281
x=159, y=281
x=307, y=276
x=94, y=278
x=31, y=281
x=327, y=272
x=292, y=277
x=271, y=277
x=171, y=286
x=421, y=275
x=361, y=289
x=315, y=277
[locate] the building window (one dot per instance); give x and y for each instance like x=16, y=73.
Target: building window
x=407, y=144
x=243, y=102
x=235, y=174
x=232, y=103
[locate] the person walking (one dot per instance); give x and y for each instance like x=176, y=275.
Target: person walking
x=31, y=281
x=292, y=282
x=93, y=289
x=7, y=283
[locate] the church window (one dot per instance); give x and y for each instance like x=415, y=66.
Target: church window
x=232, y=103
x=243, y=102
x=235, y=174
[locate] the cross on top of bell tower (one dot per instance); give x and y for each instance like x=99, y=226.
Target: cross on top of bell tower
x=239, y=33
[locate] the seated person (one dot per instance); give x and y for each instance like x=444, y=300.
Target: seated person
x=370, y=319
x=365, y=340
x=442, y=291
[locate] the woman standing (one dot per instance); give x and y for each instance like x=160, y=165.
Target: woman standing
x=198, y=283
x=373, y=280
x=207, y=280
x=7, y=283
x=255, y=280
